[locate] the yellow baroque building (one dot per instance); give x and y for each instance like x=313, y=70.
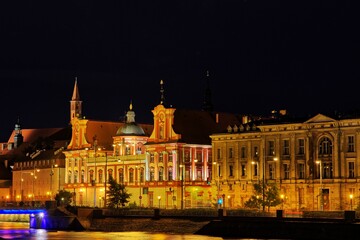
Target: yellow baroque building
x=166, y=164
x=314, y=162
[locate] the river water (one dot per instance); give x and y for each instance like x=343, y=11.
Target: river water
x=11, y=230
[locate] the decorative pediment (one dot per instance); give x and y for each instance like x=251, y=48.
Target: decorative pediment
x=319, y=118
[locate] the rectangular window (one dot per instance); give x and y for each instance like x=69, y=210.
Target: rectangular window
x=127, y=150
x=187, y=156
x=327, y=170
x=301, y=146
x=231, y=171
x=198, y=174
x=151, y=157
x=131, y=176
x=161, y=157
x=286, y=171
x=243, y=152
x=271, y=148
x=301, y=171
x=351, y=144
x=199, y=156
x=286, y=147
x=170, y=157
x=170, y=174
x=141, y=175
x=218, y=153
x=243, y=169
x=255, y=169
x=272, y=171
x=256, y=152
x=351, y=169
x=231, y=152
x=161, y=174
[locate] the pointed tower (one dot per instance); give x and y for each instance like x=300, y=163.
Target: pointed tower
x=207, y=103
x=18, y=137
x=75, y=103
x=162, y=97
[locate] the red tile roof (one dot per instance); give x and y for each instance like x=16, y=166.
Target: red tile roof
x=104, y=131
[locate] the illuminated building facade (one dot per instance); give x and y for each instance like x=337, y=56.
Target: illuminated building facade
x=314, y=162
x=167, y=164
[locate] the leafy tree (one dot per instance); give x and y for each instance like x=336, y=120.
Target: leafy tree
x=63, y=198
x=117, y=194
x=265, y=195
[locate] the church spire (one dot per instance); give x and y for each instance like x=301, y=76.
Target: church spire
x=75, y=103
x=162, y=98
x=76, y=95
x=18, y=137
x=207, y=103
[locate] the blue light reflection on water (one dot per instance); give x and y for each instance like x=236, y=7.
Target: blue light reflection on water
x=22, y=231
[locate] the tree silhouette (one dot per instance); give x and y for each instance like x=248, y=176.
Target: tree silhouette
x=117, y=194
x=265, y=195
x=63, y=198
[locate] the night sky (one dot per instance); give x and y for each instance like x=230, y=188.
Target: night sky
x=302, y=56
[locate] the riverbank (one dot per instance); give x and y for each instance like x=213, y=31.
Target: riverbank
x=162, y=225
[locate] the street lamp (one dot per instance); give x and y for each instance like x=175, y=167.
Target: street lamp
x=321, y=187
x=256, y=169
x=123, y=171
x=159, y=197
x=217, y=182
x=33, y=185
x=106, y=162
x=21, y=184
x=282, y=201
x=263, y=181
x=351, y=198
x=182, y=168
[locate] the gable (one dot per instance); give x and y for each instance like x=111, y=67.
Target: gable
x=319, y=118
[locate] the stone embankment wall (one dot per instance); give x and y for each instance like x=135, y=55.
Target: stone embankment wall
x=162, y=225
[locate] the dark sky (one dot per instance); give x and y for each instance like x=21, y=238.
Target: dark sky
x=302, y=56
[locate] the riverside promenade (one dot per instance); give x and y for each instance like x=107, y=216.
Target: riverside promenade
x=230, y=224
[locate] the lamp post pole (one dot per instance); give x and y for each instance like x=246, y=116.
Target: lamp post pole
x=263, y=180
x=106, y=161
x=51, y=180
x=182, y=185
x=33, y=185
x=321, y=186
x=351, y=198
x=21, y=181
x=95, y=173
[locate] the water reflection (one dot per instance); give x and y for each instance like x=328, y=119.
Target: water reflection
x=21, y=231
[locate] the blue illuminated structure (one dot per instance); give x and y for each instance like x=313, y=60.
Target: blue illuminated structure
x=22, y=211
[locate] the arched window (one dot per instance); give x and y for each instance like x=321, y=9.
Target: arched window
x=69, y=176
x=170, y=173
x=152, y=174
x=100, y=176
x=76, y=174
x=131, y=175
x=141, y=174
x=325, y=146
x=82, y=176
x=121, y=175
x=110, y=174
x=161, y=174
x=91, y=176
